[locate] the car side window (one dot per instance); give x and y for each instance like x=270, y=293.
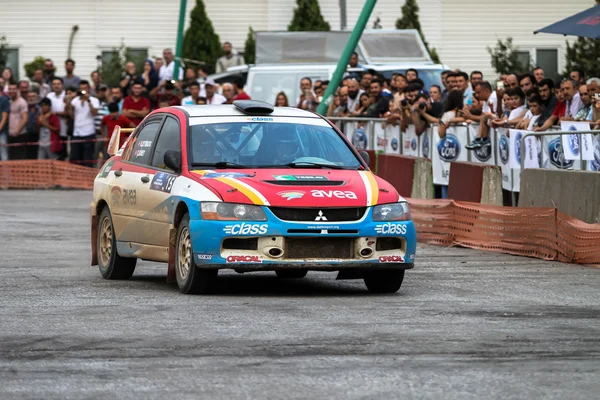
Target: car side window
x=168, y=139
x=142, y=143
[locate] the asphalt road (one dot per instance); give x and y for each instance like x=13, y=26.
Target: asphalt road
x=465, y=325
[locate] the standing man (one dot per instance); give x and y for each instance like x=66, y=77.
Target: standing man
x=228, y=93
x=192, y=99
x=4, y=113
x=83, y=109
x=238, y=85
x=100, y=147
x=136, y=107
x=166, y=71
x=57, y=98
x=32, y=135
x=354, y=93
x=48, y=71
x=538, y=73
x=17, y=119
x=229, y=58
x=49, y=128
x=38, y=78
x=116, y=96
x=70, y=80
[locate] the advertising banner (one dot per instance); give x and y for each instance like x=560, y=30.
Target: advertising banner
x=502, y=155
x=482, y=155
x=577, y=146
x=446, y=150
x=410, y=142
x=392, y=138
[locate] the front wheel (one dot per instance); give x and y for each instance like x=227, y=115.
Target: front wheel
x=291, y=273
x=190, y=278
x=384, y=281
x=110, y=263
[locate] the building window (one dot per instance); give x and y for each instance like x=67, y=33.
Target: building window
x=524, y=58
x=12, y=61
x=548, y=60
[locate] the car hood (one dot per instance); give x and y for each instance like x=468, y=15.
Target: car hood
x=298, y=187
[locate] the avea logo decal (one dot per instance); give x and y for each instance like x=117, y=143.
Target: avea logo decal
x=449, y=148
x=339, y=194
x=503, y=146
x=260, y=119
x=413, y=144
x=557, y=155
x=242, y=259
x=246, y=229
x=425, y=145
x=483, y=153
x=517, y=149
x=291, y=195
x=574, y=141
x=391, y=259
x=359, y=139
x=391, y=229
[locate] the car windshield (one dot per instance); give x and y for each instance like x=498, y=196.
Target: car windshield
x=269, y=144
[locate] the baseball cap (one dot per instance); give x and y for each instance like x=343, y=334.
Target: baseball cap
x=210, y=82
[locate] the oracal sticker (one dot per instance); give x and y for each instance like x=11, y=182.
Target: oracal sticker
x=391, y=259
x=243, y=259
x=163, y=182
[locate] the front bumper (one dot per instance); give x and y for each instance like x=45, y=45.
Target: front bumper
x=276, y=244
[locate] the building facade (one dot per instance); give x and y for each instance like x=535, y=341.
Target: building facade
x=460, y=30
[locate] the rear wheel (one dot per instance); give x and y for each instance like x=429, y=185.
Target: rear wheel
x=190, y=278
x=110, y=263
x=384, y=281
x=291, y=273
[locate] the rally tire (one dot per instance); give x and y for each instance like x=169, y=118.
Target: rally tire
x=384, y=281
x=110, y=263
x=291, y=273
x=190, y=278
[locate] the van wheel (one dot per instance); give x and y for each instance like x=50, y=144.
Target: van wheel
x=190, y=278
x=110, y=263
x=384, y=281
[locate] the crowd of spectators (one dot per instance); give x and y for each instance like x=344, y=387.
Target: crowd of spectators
x=70, y=118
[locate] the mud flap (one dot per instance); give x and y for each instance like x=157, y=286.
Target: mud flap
x=171, y=278
x=94, y=223
x=349, y=273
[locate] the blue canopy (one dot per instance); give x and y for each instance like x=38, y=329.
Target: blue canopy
x=583, y=24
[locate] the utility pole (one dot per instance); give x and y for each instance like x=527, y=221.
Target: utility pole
x=179, y=45
x=343, y=15
x=350, y=46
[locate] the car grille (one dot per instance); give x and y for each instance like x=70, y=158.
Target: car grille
x=303, y=248
x=311, y=214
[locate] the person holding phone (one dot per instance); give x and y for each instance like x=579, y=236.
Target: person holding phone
x=307, y=99
x=83, y=109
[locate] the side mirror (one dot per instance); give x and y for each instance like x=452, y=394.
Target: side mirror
x=172, y=160
x=365, y=156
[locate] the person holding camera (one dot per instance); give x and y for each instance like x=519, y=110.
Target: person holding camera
x=128, y=78
x=83, y=109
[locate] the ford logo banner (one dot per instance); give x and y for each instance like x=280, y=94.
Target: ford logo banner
x=425, y=145
x=503, y=147
x=394, y=144
x=359, y=139
x=413, y=144
x=449, y=148
x=483, y=153
x=574, y=144
x=557, y=156
x=517, y=148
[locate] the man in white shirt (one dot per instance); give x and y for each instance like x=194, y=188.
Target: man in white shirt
x=570, y=90
x=354, y=93
x=57, y=97
x=83, y=109
x=192, y=99
x=166, y=71
x=485, y=94
x=212, y=97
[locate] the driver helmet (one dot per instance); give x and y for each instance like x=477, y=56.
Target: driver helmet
x=286, y=145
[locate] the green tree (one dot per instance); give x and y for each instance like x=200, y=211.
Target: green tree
x=584, y=54
x=3, y=51
x=31, y=67
x=200, y=42
x=505, y=58
x=410, y=20
x=250, y=47
x=307, y=17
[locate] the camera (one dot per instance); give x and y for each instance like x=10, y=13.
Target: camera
x=422, y=106
x=404, y=103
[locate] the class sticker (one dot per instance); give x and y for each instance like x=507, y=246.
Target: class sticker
x=163, y=182
x=300, y=178
x=107, y=168
x=226, y=175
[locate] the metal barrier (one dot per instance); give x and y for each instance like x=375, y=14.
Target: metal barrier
x=376, y=134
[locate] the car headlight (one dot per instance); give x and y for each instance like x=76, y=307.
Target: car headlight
x=392, y=212
x=230, y=211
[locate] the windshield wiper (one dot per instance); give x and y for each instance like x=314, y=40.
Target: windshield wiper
x=220, y=164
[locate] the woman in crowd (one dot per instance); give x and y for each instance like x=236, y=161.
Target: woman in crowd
x=362, y=106
x=452, y=112
x=281, y=100
x=149, y=76
x=7, y=75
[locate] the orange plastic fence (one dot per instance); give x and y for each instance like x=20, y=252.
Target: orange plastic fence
x=45, y=174
x=535, y=232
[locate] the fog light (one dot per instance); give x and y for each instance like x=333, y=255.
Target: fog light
x=366, y=252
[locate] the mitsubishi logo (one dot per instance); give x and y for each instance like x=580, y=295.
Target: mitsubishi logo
x=321, y=217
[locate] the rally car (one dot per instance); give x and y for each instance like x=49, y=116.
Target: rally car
x=247, y=187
